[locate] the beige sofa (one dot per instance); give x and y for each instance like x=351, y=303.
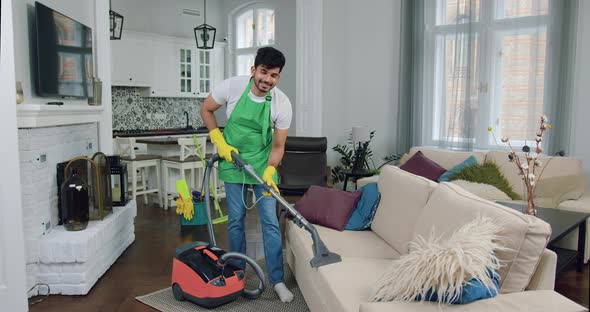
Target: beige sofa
x=411, y=206
x=559, y=166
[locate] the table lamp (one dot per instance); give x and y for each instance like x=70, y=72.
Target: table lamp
x=360, y=135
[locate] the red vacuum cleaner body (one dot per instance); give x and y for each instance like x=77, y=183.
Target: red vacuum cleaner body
x=202, y=274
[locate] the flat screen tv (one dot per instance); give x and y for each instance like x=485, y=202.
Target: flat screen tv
x=64, y=55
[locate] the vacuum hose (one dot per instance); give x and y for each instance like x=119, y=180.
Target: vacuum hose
x=248, y=293
x=321, y=254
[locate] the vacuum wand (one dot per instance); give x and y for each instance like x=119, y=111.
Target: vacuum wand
x=210, y=162
x=321, y=254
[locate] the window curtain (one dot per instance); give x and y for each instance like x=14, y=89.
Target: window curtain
x=485, y=63
x=562, y=66
x=409, y=115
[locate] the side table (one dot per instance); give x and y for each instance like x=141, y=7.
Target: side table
x=355, y=175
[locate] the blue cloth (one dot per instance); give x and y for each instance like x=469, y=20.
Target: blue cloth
x=363, y=213
x=446, y=177
x=271, y=233
x=472, y=290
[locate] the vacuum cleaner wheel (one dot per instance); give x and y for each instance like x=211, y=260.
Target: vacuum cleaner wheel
x=177, y=292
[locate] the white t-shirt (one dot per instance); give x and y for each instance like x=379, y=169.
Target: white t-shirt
x=230, y=90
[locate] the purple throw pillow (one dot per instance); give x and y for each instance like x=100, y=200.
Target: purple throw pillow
x=423, y=166
x=328, y=207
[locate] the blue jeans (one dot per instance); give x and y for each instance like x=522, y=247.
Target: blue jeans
x=271, y=233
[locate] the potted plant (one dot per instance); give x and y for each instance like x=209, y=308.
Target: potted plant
x=363, y=155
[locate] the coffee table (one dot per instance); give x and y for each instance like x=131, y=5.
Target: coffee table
x=562, y=223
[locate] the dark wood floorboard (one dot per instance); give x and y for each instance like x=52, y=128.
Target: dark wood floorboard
x=146, y=267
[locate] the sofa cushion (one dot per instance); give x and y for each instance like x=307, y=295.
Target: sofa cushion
x=347, y=284
x=526, y=236
x=403, y=196
x=558, y=166
x=423, y=166
x=328, y=207
x=538, y=301
x=446, y=158
x=485, y=191
x=346, y=243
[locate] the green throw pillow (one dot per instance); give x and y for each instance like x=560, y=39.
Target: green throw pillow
x=487, y=173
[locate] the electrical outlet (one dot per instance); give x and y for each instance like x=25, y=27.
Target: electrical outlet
x=47, y=227
x=40, y=161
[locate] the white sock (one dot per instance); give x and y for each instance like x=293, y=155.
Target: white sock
x=283, y=292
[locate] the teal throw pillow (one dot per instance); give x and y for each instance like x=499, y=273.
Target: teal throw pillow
x=446, y=177
x=472, y=290
x=363, y=213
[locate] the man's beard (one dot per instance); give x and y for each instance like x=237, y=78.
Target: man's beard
x=260, y=86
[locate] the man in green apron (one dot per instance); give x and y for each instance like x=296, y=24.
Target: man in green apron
x=259, y=116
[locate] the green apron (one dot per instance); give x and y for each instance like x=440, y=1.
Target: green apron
x=248, y=130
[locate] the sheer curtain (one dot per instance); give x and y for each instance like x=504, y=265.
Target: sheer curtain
x=471, y=64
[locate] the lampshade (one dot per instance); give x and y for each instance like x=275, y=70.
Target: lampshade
x=361, y=134
x=205, y=34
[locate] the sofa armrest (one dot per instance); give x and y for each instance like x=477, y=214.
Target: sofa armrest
x=534, y=300
x=578, y=205
x=544, y=276
x=364, y=181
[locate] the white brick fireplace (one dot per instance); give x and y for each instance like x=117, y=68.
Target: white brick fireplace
x=70, y=262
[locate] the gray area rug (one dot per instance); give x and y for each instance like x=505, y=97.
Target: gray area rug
x=164, y=301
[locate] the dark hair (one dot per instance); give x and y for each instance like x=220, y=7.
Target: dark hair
x=270, y=58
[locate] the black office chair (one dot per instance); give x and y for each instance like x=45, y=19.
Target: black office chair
x=304, y=164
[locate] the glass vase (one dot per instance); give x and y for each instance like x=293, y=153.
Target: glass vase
x=530, y=204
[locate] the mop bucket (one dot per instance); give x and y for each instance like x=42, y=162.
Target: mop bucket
x=200, y=215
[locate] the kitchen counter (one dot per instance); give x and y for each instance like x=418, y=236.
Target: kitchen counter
x=159, y=132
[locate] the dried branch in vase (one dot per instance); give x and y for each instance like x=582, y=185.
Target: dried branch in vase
x=528, y=164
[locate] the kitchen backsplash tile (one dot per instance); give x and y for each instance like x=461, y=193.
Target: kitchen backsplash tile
x=133, y=111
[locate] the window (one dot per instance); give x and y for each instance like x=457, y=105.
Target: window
x=254, y=28
x=485, y=59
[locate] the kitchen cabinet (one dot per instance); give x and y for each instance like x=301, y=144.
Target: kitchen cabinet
x=166, y=66
x=130, y=59
x=196, y=71
x=211, y=69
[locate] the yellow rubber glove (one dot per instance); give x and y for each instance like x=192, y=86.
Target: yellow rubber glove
x=223, y=148
x=179, y=206
x=267, y=177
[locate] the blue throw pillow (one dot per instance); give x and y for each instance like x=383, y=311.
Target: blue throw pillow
x=473, y=290
x=446, y=177
x=363, y=213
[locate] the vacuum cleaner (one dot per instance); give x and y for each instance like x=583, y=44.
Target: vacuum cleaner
x=202, y=272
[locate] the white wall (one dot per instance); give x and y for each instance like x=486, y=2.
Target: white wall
x=165, y=17
x=580, y=147
x=24, y=21
x=12, y=263
x=285, y=11
x=361, y=60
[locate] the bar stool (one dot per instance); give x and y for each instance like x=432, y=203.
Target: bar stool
x=138, y=166
x=188, y=159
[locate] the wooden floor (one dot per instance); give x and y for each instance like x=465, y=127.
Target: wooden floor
x=146, y=266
